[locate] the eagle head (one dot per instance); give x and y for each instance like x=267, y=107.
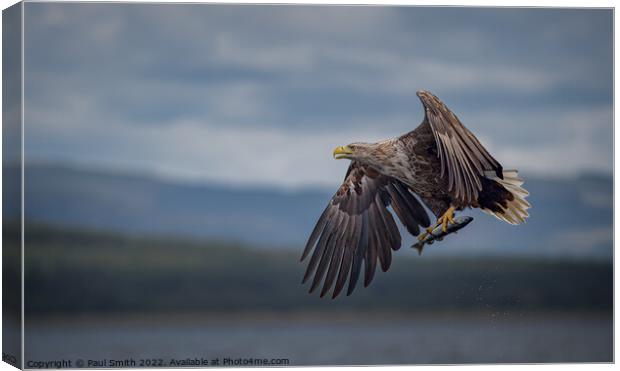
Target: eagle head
x=373, y=154
x=353, y=151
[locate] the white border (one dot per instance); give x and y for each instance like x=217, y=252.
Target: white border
x=479, y=3
x=441, y=3
x=22, y=128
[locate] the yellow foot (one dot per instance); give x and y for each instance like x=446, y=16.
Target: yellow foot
x=448, y=216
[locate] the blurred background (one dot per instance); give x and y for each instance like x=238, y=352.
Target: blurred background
x=177, y=157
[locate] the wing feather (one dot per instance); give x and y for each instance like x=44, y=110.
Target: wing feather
x=320, y=247
x=327, y=255
x=360, y=251
x=357, y=229
x=463, y=158
x=347, y=257
x=336, y=259
x=316, y=232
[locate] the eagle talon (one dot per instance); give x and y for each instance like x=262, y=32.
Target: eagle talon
x=447, y=217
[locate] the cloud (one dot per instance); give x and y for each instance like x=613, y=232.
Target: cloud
x=261, y=154
x=564, y=141
x=203, y=151
x=261, y=94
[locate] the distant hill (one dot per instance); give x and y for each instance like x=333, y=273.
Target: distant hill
x=570, y=217
x=115, y=273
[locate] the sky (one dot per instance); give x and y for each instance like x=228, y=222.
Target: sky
x=260, y=95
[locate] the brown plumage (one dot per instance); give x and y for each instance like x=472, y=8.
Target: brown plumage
x=441, y=162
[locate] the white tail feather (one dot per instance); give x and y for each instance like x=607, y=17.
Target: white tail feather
x=515, y=211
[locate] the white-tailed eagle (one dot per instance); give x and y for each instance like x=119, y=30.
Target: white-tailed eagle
x=440, y=163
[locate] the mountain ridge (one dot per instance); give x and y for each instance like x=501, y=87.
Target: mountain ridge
x=569, y=216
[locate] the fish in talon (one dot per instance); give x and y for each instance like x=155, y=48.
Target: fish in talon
x=438, y=233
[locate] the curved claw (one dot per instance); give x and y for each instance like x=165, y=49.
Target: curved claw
x=447, y=217
x=443, y=221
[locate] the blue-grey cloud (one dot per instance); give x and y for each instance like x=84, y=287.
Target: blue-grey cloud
x=11, y=85
x=260, y=94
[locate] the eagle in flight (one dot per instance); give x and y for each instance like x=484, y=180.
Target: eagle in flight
x=440, y=163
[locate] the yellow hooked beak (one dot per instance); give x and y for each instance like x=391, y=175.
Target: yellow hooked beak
x=342, y=152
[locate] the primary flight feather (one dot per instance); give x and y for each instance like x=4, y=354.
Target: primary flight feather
x=441, y=162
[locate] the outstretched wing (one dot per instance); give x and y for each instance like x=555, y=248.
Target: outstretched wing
x=463, y=159
x=357, y=227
